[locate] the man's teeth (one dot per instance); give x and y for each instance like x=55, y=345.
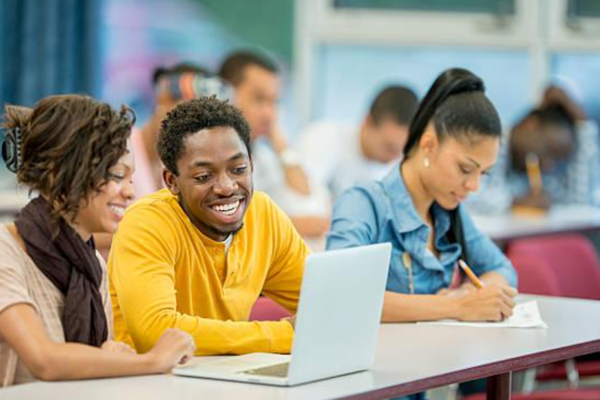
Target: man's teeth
x=227, y=209
x=118, y=210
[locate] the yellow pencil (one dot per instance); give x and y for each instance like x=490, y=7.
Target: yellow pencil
x=534, y=173
x=476, y=281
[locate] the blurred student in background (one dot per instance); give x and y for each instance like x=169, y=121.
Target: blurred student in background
x=563, y=143
x=338, y=156
x=566, y=145
x=55, y=312
x=173, y=85
x=453, y=140
x=278, y=170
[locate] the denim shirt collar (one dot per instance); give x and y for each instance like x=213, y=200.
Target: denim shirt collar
x=405, y=216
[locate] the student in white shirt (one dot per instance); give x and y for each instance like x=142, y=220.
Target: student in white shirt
x=278, y=170
x=338, y=156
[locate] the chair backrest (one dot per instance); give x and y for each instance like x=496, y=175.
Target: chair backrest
x=570, y=258
x=535, y=276
x=266, y=309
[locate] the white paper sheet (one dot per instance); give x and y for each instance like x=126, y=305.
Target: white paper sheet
x=525, y=315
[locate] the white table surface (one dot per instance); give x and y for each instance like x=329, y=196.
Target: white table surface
x=559, y=219
x=409, y=358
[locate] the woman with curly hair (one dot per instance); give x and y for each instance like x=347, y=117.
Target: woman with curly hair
x=55, y=312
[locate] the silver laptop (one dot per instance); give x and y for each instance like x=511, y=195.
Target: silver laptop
x=336, y=327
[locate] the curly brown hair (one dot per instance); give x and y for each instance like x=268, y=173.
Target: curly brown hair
x=68, y=144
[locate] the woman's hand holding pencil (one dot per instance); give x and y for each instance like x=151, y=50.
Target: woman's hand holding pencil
x=470, y=274
x=488, y=303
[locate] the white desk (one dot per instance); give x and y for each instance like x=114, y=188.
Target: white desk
x=560, y=219
x=410, y=358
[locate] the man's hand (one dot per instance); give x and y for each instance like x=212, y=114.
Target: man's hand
x=291, y=320
x=277, y=139
x=539, y=201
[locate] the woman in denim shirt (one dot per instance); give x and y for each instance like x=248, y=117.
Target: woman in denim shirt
x=453, y=140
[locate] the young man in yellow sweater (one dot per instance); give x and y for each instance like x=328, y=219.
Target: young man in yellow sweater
x=197, y=255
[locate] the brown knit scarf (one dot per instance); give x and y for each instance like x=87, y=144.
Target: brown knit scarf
x=72, y=266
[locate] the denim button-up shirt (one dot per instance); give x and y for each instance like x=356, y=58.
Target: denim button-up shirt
x=383, y=211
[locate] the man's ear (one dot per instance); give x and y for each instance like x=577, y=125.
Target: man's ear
x=171, y=181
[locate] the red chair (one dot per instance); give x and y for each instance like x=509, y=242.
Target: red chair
x=567, y=394
x=560, y=265
x=571, y=258
x=266, y=309
x=535, y=275
x=559, y=371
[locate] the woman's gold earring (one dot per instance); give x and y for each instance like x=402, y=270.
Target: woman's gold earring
x=426, y=162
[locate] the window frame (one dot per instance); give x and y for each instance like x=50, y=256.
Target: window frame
x=539, y=27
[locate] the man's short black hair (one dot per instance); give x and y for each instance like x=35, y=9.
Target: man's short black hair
x=232, y=69
x=191, y=117
x=176, y=69
x=398, y=103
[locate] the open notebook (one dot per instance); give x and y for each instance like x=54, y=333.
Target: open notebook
x=525, y=315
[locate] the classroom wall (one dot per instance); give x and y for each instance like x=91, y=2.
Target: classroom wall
x=265, y=23
x=138, y=35
x=356, y=73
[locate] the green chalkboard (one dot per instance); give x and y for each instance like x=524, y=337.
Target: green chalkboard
x=265, y=23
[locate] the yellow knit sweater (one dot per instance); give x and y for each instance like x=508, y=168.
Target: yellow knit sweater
x=164, y=273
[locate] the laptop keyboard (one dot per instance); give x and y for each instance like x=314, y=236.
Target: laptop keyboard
x=277, y=370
